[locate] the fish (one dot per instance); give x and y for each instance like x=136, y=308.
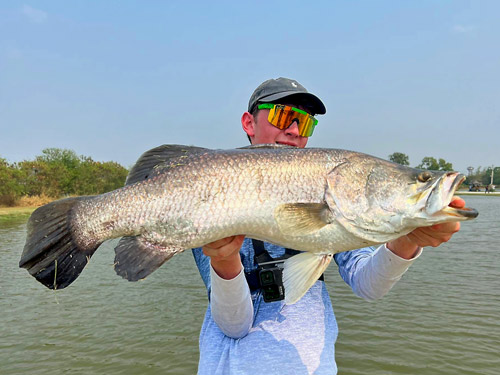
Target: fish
x=317, y=200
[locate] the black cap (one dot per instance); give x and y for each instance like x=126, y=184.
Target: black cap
x=274, y=90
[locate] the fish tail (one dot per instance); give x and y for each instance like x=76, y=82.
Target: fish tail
x=51, y=254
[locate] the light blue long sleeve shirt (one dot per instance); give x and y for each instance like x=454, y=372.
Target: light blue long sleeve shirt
x=298, y=338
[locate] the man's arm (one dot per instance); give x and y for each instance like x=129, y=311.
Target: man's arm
x=230, y=300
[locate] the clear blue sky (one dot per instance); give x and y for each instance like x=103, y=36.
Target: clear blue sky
x=111, y=79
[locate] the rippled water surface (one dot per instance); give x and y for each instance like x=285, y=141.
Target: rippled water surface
x=443, y=317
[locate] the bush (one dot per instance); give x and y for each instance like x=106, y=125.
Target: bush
x=10, y=185
x=58, y=173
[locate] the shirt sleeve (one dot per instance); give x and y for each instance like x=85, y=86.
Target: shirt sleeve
x=371, y=272
x=231, y=304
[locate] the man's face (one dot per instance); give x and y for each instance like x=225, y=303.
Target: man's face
x=262, y=131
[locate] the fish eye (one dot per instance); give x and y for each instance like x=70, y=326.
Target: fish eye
x=424, y=176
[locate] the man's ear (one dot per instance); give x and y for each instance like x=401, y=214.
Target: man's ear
x=248, y=124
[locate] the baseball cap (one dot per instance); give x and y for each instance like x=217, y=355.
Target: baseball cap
x=274, y=90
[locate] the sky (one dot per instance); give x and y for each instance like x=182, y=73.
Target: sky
x=112, y=79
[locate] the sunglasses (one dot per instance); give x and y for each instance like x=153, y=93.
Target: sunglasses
x=283, y=116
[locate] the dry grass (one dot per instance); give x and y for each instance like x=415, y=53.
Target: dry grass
x=35, y=201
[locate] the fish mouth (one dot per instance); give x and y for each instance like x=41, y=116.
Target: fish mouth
x=466, y=212
x=441, y=195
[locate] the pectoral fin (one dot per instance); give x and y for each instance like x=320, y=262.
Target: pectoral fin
x=301, y=272
x=298, y=219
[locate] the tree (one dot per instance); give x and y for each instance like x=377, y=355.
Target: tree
x=432, y=164
x=429, y=163
x=66, y=157
x=95, y=177
x=445, y=166
x=10, y=187
x=400, y=158
x=486, y=177
x=59, y=170
x=57, y=173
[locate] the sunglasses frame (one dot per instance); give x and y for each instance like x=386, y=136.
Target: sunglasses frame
x=282, y=106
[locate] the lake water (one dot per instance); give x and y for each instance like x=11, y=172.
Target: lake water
x=443, y=317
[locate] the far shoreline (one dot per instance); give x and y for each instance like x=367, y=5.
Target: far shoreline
x=480, y=193
x=7, y=213
x=15, y=214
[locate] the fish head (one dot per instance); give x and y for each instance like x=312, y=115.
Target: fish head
x=379, y=200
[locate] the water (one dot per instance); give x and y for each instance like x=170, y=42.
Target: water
x=441, y=318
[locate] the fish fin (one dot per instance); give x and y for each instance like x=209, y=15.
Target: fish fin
x=136, y=258
x=301, y=272
x=51, y=254
x=266, y=145
x=157, y=157
x=298, y=219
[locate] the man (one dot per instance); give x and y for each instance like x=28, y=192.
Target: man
x=243, y=334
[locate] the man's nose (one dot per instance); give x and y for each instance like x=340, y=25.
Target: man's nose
x=293, y=129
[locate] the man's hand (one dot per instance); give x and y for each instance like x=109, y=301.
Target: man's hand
x=225, y=256
x=407, y=246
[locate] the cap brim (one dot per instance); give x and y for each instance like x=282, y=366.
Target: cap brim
x=304, y=98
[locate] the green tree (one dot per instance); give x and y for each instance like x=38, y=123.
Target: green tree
x=486, y=177
x=445, y=166
x=400, y=158
x=59, y=172
x=11, y=187
x=33, y=177
x=432, y=164
x=65, y=157
x=97, y=177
